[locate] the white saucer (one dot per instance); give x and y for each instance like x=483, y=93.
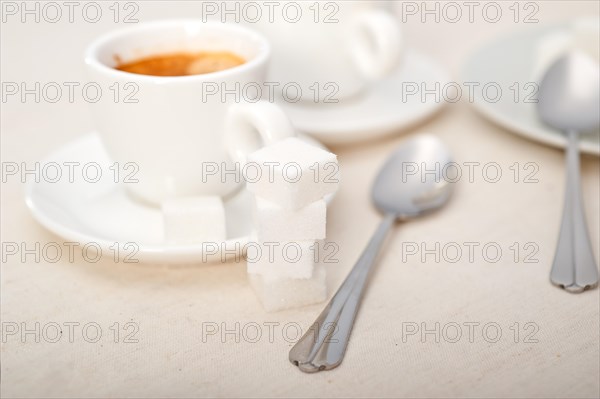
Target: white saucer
x=378, y=112
x=103, y=214
x=509, y=60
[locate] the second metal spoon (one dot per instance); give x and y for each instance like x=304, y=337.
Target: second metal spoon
x=569, y=100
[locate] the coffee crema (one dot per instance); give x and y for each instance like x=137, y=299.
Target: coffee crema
x=182, y=64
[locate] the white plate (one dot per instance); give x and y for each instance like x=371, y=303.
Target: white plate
x=380, y=111
x=509, y=60
x=102, y=214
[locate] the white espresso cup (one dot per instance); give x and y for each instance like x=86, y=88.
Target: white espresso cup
x=182, y=134
x=336, y=47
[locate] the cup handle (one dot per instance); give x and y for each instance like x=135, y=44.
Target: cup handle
x=251, y=126
x=377, y=43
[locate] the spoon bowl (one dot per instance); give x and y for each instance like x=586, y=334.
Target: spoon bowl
x=569, y=94
x=411, y=181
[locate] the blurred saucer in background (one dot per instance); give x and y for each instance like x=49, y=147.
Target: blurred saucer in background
x=385, y=108
x=515, y=64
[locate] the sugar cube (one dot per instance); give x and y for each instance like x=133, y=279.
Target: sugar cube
x=583, y=35
x=193, y=220
x=291, y=173
x=550, y=47
x=291, y=259
x=276, y=223
x=277, y=293
x=586, y=36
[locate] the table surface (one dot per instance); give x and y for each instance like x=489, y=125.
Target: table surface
x=549, y=343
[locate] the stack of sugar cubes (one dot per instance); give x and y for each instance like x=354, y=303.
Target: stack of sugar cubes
x=290, y=180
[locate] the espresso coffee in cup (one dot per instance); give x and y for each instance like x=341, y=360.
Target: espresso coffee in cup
x=181, y=139
x=182, y=64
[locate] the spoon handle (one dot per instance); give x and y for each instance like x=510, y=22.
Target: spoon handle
x=574, y=267
x=323, y=346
